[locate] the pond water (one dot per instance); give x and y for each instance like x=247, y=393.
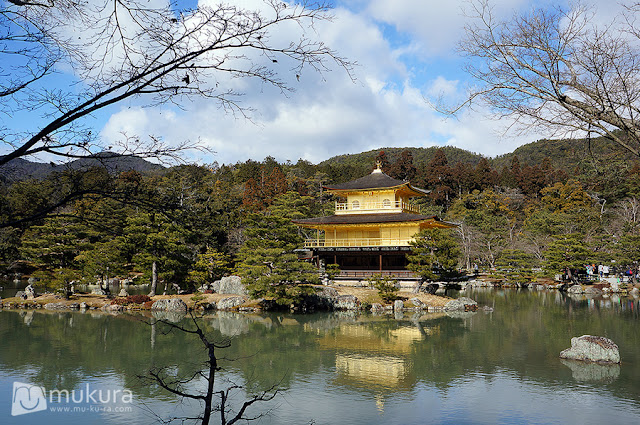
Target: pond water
x=499, y=367
x=9, y=288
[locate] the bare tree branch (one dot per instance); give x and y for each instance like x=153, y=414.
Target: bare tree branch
x=124, y=49
x=174, y=385
x=556, y=70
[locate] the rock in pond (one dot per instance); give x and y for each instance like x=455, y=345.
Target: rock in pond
x=171, y=304
x=346, y=302
x=55, y=306
x=99, y=291
x=461, y=304
x=30, y=292
x=575, y=289
x=398, y=305
x=230, y=303
x=591, y=290
x=230, y=285
x=377, y=308
x=417, y=303
x=592, y=348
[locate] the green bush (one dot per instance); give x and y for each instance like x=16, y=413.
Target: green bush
x=387, y=288
x=332, y=270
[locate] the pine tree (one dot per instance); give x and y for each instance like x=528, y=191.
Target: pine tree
x=209, y=267
x=434, y=254
x=157, y=246
x=53, y=248
x=567, y=253
x=267, y=262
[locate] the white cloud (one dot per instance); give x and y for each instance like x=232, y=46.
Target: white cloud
x=329, y=114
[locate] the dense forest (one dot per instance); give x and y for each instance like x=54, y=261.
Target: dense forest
x=548, y=205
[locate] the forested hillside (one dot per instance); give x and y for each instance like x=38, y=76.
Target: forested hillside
x=192, y=224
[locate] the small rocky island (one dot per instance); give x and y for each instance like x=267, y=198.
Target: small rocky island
x=589, y=348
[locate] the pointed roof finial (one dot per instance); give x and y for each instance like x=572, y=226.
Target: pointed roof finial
x=378, y=167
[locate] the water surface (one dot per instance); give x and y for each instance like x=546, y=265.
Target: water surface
x=499, y=367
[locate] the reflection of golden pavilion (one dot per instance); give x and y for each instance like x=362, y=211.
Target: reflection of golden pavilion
x=385, y=371
x=373, y=356
x=355, y=337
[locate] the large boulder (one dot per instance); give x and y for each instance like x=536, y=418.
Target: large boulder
x=377, y=308
x=229, y=285
x=323, y=299
x=575, y=289
x=170, y=304
x=230, y=303
x=398, y=305
x=431, y=288
x=346, y=302
x=55, y=306
x=591, y=348
x=30, y=292
x=461, y=304
x=21, y=294
x=591, y=290
x=98, y=291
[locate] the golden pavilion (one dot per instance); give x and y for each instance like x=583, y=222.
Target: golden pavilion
x=370, y=231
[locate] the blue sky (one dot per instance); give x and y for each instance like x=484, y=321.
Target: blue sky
x=405, y=50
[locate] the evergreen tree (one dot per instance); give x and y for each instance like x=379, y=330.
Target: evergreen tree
x=383, y=162
x=566, y=254
x=434, y=254
x=53, y=248
x=157, y=246
x=102, y=261
x=267, y=262
x=439, y=178
x=210, y=266
x=403, y=167
x=532, y=180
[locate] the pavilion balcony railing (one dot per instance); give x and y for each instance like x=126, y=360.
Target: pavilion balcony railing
x=359, y=274
x=355, y=242
x=351, y=207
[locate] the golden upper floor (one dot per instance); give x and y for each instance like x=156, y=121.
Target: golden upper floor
x=375, y=193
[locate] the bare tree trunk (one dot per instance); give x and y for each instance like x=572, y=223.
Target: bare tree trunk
x=157, y=376
x=208, y=398
x=154, y=279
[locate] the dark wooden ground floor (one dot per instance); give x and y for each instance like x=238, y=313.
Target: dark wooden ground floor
x=366, y=260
